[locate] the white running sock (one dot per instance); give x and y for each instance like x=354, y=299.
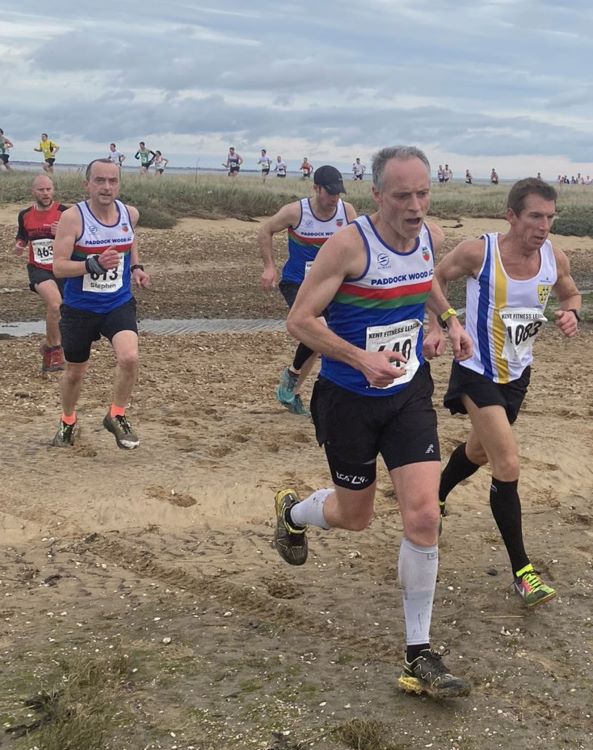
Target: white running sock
x=309, y=512
x=418, y=567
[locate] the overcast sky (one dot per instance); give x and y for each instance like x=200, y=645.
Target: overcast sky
x=476, y=83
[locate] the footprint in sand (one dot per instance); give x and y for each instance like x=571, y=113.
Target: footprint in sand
x=181, y=499
x=283, y=588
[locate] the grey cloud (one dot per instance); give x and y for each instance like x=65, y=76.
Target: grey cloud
x=309, y=51
x=473, y=134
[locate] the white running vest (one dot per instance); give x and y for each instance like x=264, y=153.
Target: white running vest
x=504, y=315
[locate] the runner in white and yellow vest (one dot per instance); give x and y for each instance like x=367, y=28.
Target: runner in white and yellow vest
x=509, y=280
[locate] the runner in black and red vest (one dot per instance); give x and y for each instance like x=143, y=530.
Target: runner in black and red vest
x=36, y=230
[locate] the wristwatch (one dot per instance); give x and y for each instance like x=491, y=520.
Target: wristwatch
x=444, y=317
x=135, y=266
x=576, y=314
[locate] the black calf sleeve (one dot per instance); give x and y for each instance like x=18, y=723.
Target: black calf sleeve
x=457, y=469
x=506, y=509
x=301, y=355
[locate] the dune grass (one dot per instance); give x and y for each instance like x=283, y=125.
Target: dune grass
x=162, y=201
x=80, y=710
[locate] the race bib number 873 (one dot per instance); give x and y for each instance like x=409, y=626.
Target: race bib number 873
x=109, y=281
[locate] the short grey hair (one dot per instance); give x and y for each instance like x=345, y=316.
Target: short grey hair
x=401, y=153
x=89, y=169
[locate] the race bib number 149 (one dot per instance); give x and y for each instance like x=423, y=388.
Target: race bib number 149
x=397, y=337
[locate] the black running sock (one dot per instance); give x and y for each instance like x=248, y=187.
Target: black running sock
x=458, y=469
x=506, y=509
x=414, y=651
x=301, y=355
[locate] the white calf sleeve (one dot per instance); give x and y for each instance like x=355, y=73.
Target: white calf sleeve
x=418, y=568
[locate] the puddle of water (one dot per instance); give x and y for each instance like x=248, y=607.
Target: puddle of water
x=167, y=326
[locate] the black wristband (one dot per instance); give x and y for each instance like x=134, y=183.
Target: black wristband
x=92, y=265
x=576, y=314
x=135, y=266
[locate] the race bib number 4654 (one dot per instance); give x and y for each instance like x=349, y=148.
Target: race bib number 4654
x=522, y=324
x=397, y=337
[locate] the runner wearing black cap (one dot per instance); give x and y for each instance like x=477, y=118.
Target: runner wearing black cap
x=310, y=222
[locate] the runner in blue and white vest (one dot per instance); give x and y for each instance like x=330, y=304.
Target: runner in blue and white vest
x=95, y=251
x=374, y=393
x=310, y=222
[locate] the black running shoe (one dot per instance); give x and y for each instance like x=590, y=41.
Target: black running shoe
x=427, y=674
x=290, y=542
x=65, y=435
x=121, y=429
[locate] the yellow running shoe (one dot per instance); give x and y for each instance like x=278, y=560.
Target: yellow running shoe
x=427, y=674
x=290, y=542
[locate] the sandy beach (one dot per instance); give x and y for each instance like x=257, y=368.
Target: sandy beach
x=164, y=553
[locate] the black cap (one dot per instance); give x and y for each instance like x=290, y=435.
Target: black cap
x=329, y=178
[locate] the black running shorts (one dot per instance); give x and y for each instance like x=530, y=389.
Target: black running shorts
x=354, y=429
x=39, y=275
x=289, y=290
x=79, y=328
x=485, y=392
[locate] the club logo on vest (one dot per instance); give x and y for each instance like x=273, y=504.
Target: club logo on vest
x=92, y=229
x=125, y=227
x=543, y=292
x=339, y=222
x=383, y=260
x=426, y=254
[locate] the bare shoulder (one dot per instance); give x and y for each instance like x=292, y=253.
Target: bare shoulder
x=465, y=259
x=473, y=248
x=288, y=216
x=350, y=211
x=471, y=252
x=561, y=258
x=70, y=217
x=437, y=234
x=134, y=214
x=346, y=250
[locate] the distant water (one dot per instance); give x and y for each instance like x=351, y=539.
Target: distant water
x=35, y=166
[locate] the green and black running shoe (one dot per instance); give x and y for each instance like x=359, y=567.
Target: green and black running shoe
x=290, y=542
x=427, y=674
x=65, y=435
x=121, y=429
x=531, y=588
